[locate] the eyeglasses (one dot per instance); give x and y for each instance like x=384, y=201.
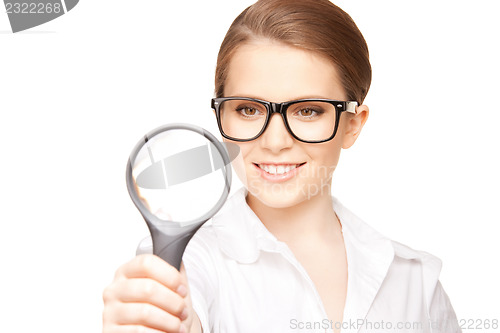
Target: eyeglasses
x=307, y=120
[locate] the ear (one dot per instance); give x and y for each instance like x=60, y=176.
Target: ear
x=354, y=125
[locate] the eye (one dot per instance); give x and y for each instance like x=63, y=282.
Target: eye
x=308, y=113
x=248, y=111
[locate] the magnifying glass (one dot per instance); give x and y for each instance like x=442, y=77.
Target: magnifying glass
x=178, y=176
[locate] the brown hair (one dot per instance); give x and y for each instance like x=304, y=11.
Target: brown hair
x=315, y=25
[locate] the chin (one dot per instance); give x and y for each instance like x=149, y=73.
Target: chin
x=273, y=200
x=283, y=195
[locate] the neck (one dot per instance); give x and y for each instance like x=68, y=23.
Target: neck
x=310, y=220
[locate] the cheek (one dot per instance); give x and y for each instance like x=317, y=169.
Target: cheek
x=326, y=154
x=323, y=162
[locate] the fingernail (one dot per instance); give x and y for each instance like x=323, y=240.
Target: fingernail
x=184, y=314
x=182, y=290
x=182, y=329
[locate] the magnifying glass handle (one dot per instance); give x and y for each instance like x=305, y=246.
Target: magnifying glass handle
x=170, y=244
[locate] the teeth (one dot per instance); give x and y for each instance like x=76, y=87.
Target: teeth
x=277, y=169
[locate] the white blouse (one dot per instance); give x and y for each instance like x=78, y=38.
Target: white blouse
x=242, y=279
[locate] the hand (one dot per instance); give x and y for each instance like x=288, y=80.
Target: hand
x=148, y=295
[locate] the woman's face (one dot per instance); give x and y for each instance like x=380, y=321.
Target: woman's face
x=278, y=73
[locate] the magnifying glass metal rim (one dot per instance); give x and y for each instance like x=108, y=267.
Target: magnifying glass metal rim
x=154, y=222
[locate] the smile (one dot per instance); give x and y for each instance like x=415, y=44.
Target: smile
x=278, y=169
x=278, y=172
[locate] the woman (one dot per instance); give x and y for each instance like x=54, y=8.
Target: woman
x=283, y=254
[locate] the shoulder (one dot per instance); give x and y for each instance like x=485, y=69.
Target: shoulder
x=417, y=265
x=405, y=252
x=431, y=264
x=426, y=269
x=401, y=265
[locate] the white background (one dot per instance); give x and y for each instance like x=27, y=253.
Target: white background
x=77, y=93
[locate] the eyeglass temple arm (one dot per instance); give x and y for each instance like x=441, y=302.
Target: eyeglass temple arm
x=351, y=107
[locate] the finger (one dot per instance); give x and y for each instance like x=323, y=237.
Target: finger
x=143, y=314
x=153, y=267
x=152, y=292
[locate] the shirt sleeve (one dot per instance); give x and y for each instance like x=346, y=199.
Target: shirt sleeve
x=200, y=269
x=442, y=316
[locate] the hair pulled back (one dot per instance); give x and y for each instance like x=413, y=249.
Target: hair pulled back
x=315, y=25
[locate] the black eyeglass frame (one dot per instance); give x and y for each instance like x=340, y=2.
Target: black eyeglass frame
x=281, y=108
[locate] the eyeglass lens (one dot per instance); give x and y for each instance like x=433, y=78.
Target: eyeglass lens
x=309, y=121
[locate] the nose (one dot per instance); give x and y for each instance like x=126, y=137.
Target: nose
x=276, y=136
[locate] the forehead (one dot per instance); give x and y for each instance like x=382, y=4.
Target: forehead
x=277, y=72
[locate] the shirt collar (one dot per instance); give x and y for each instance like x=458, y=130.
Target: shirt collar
x=242, y=236
x=369, y=256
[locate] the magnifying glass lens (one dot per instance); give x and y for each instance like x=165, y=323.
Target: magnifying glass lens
x=178, y=176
